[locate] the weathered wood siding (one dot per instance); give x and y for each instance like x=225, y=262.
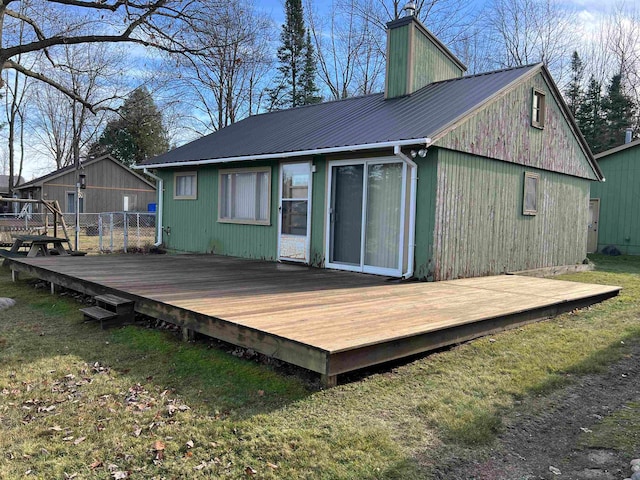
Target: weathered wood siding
x=479, y=225
x=502, y=130
x=396, y=78
x=619, y=222
x=107, y=184
x=425, y=215
x=194, y=225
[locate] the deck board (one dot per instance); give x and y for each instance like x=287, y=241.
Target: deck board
x=326, y=311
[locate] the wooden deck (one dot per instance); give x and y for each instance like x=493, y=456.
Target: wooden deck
x=326, y=321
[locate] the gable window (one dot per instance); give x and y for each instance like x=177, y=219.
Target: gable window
x=537, y=109
x=530, y=198
x=244, y=195
x=185, y=186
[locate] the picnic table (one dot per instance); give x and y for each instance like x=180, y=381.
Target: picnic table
x=39, y=244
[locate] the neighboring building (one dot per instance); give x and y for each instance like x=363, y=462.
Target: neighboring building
x=6, y=207
x=442, y=176
x=615, y=203
x=111, y=187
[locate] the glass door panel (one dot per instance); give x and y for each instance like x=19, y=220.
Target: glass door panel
x=346, y=214
x=294, y=211
x=383, y=215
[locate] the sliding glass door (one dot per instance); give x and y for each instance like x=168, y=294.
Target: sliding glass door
x=366, y=216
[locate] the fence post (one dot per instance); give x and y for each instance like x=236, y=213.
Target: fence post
x=111, y=230
x=100, y=232
x=138, y=227
x=125, y=230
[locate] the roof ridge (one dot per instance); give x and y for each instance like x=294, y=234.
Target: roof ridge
x=484, y=74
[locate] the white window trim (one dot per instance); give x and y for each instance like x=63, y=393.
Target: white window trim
x=231, y=171
x=175, y=186
x=535, y=176
x=542, y=108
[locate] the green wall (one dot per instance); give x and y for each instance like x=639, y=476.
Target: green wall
x=479, y=225
x=194, y=225
x=425, y=214
x=619, y=222
x=396, y=77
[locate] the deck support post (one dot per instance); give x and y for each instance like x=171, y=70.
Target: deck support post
x=14, y=275
x=188, y=335
x=53, y=288
x=329, y=381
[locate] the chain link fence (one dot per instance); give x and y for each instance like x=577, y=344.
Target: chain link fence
x=99, y=232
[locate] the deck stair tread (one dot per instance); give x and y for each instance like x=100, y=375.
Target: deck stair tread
x=99, y=313
x=113, y=300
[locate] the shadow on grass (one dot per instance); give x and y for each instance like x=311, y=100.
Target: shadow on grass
x=42, y=328
x=618, y=264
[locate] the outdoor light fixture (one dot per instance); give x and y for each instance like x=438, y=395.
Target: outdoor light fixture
x=420, y=153
x=82, y=181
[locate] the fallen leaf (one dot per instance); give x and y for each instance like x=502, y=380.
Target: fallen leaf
x=555, y=471
x=261, y=393
x=183, y=408
x=158, y=445
x=119, y=475
x=56, y=428
x=586, y=430
x=79, y=440
x=68, y=476
x=137, y=432
x=190, y=444
x=272, y=465
x=200, y=466
x=95, y=464
x=68, y=439
x=188, y=454
x=250, y=471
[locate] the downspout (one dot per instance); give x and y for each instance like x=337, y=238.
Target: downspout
x=160, y=188
x=397, y=151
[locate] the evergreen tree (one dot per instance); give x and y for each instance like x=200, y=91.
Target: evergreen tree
x=295, y=83
x=590, y=117
x=137, y=133
x=619, y=111
x=574, y=91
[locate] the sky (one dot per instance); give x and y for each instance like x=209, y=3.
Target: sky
x=589, y=14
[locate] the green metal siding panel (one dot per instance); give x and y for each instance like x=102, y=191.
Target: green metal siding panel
x=194, y=226
x=425, y=214
x=318, y=211
x=502, y=130
x=397, y=62
x=479, y=226
x=430, y=64
x=619, y=221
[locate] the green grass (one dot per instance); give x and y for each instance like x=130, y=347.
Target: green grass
x=217, y=414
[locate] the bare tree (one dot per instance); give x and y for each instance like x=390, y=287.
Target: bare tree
x=164, y=24
x=530, y=31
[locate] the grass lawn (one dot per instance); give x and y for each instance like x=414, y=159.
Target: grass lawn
x=137, y=403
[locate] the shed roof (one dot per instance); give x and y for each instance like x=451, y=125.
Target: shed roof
x=603, y=155
x=38, y=182
x=4, y=182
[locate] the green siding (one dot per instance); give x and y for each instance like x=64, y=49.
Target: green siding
x=502, y=130
x=479, y=226
x=425, y=214
x=430, y=64
x=318, y=209
x=619, y=222
x=194, y=226
x=397, y=61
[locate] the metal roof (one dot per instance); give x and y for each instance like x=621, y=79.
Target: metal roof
x=354, y=121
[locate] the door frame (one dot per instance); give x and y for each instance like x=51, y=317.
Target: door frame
x=596, y=203
x=307, y=253
x=362, y=268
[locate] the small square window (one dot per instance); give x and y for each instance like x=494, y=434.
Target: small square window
x=530, y=198
x=244, y=196
x=185, y=186
x=537, y=109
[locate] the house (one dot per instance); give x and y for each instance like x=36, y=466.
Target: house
x=6, y=207
x=614, y=206
x=110, y=187
x=442, y=176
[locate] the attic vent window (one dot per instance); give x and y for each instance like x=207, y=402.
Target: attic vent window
x=530, y=198
x=537, y=109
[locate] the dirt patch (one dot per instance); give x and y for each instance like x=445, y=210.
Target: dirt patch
x=546, y=444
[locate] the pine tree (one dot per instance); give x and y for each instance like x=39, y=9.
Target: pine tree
x=590, y=117
x=619, y=111
x=295, y=83
x=137, y=133
x=574, y=91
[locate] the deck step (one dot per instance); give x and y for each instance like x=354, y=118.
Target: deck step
x=113, y=300
x=98, y=313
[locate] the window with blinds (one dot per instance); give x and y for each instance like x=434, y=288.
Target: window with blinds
x=244, y=196
x=185, y=186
